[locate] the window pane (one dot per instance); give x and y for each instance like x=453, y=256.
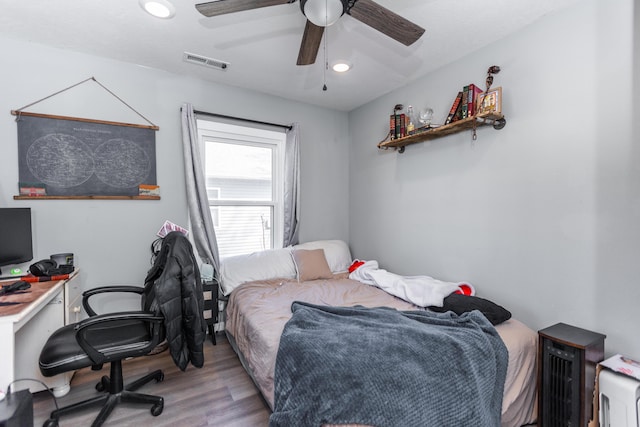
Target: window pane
x=243, y=229
x=239, y=172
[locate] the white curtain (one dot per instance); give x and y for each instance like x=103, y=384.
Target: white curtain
x=291, y=187
x=202, y=231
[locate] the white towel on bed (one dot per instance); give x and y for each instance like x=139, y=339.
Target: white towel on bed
x=423, y=291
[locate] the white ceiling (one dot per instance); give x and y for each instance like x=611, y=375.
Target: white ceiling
x=262, y=45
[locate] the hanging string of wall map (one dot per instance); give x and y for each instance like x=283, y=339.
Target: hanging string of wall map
x=64, y=156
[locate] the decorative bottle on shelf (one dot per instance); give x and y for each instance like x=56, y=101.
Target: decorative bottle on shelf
x=425, y=117
x=411, y=125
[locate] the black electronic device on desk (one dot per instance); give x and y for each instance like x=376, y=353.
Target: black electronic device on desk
x=20, y=285
x=49, y=267
x=15, y=236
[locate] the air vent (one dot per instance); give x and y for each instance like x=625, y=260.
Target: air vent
x=204, y=61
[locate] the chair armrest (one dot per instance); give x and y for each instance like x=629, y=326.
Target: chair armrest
x=84, y=326
x=106, y=289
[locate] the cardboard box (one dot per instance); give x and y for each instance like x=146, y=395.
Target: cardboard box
x=595, y=415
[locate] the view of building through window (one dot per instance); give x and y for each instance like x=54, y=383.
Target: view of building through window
x=243, y=172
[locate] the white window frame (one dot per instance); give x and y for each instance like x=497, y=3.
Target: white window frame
x=215, y=218
x=209, y=130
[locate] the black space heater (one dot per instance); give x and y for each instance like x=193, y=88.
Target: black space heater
x=566, y=375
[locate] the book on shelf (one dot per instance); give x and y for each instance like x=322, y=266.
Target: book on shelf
x=455, y=109
x=472, y=98
x=392, y=126
x=394, y=123
x=398, y=125
x=464, y=104
x=464, y=107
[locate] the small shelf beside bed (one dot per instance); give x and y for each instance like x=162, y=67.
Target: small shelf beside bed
x=210, y=291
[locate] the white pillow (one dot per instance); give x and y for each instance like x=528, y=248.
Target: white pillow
x=335, y=251
x=263, y=265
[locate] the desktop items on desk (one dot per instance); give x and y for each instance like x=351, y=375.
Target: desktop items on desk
x=14, y=287
x=49, y=267
x=42, y=271
x=20, y=285
x=62, y=259
x=57, y=267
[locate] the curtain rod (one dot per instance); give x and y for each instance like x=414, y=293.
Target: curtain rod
x=240, y=118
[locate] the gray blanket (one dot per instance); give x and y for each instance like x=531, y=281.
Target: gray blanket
x=383, y=367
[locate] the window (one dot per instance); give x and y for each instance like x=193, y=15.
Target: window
x=244, y=176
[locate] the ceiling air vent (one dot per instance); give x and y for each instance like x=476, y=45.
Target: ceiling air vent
x=203, y=60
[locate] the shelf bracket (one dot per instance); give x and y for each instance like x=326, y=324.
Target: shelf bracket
x=499, y=124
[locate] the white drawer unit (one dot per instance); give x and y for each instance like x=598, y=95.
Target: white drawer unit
x=619, y=400
x=26, y=327
x=73, y=302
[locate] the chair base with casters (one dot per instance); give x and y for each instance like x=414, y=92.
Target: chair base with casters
x=117, y=393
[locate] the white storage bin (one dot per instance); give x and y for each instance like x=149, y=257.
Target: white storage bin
x=619, y=400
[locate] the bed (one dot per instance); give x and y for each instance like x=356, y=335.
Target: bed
x=263, y=286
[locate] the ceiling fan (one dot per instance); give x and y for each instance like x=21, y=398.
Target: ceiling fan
x=322, y=13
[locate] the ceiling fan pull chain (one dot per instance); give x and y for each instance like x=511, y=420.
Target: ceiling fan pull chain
x=326, y=61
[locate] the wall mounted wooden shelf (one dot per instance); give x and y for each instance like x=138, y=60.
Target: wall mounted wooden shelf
x=485, y=119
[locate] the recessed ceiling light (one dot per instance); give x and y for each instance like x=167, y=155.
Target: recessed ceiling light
x=341, y=67
x=158, y=8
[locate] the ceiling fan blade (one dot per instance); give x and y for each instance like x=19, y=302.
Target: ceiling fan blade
x=310, y=44
x=221, y=7
x=386, y=21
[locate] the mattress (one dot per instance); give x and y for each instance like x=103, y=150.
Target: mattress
x=258, y=311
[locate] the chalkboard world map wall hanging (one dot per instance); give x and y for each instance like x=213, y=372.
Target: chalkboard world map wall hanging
x=70, y=157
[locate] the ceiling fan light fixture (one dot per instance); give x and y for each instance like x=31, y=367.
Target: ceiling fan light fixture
x=323, y=13
x=158, y=8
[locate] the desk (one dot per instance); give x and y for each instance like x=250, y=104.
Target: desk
x=24, y=329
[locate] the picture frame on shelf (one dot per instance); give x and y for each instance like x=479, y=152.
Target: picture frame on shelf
x=490, y=102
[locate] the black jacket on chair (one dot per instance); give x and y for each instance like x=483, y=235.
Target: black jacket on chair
x=174, y=284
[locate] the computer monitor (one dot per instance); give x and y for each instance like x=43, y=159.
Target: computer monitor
x=15, y=236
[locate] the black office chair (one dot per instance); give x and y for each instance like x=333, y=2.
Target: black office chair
x=172, y=308
x=106, y=338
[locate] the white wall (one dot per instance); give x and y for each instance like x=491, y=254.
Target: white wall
x=111, y=239
x=541, y=216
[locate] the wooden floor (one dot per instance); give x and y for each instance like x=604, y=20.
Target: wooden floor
x=219, y=394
